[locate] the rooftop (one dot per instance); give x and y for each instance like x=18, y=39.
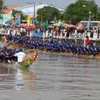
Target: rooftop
x=9, y=8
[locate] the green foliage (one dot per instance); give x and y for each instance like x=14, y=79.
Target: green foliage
x=2, y=7
x=45, y=25
x=21, y=13
x=62, y=16
x=80, y=10
x=98, y=14
x=0, y=37
x=48, y=13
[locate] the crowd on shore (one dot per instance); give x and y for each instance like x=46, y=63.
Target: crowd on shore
x=18, y=30
x=61, y=32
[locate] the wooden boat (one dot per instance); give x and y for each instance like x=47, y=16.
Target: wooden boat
x=88, y=55
x=30, y=57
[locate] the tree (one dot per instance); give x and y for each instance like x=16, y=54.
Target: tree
x=80, y=10
x=1, y=4
x=2, y=7
x=98, y=14
x=48, y=13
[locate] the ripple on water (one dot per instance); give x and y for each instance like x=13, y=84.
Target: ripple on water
x=59, y=77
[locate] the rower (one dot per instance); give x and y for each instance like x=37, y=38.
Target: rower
x=2, y=56
x=20, y=55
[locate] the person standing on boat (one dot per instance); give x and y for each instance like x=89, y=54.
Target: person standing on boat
x=20, y=55
x=87, y=41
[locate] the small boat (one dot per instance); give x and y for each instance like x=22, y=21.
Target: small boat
x=30, y=57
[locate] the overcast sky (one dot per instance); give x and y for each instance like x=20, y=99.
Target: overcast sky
x=59, y=3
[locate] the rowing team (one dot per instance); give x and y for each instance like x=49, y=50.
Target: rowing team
x=8, y=55
x=53, y=45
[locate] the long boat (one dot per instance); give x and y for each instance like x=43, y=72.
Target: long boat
x=30, y=58
x=55, y=47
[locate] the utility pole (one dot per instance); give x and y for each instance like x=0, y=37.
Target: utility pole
x=41, y=19
x=34, y=4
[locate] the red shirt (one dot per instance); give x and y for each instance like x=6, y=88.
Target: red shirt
x=87, y=42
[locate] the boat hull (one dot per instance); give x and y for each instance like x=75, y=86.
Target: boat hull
x=27, y=60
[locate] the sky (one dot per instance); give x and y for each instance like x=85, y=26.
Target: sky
x=59, y=3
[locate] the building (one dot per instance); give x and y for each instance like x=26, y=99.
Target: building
x=9, y=9
x=93, y=23
x=7, y=14
x=5, y=18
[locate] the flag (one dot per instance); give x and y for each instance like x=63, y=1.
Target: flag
x=37, y=34
x=45, y=25
x=88, y=24
x=57, y=28
x=17, y=18
x=59, y=23
x=28, y=19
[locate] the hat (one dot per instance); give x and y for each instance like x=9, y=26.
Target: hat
x=20, y=49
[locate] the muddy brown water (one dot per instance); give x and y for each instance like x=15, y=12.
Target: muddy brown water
x=54, y=77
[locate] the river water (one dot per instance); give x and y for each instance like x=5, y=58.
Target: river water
x=53, y=77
